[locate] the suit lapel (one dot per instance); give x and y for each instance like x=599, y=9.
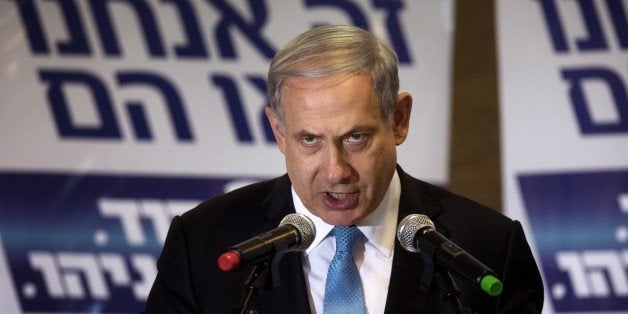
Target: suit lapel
x=404, y=292
x=291, y=296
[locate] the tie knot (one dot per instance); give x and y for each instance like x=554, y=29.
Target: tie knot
x=346, y=237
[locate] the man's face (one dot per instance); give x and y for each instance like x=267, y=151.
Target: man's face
x=340, y=154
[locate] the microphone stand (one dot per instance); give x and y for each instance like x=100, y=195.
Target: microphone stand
x=264, y=277
x=255, y=284
x=449, y=292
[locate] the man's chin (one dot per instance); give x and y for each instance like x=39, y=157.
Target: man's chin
x=341, y=218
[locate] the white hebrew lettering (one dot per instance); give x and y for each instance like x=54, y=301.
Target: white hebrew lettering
x=126, y=211
x=145, y=265
x=81, y=276
x=131, y=212
x=595, y=274
x=75, y=264
x=46, y=264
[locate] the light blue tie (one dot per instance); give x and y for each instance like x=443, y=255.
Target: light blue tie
x=343, y=289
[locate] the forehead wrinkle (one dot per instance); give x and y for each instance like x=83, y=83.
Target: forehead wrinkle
x=309, y=108
x=318, y=84
x=323, y=81
x=322, y=104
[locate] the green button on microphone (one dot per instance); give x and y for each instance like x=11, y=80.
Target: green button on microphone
x=491, y=285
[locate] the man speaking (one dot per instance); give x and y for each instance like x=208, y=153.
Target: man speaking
x=338, y=116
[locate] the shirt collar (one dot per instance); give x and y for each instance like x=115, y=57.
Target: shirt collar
x=379, y=227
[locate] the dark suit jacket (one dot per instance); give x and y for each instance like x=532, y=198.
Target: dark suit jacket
x=189, y=279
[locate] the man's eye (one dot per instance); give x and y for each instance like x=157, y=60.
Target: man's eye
x=308, y=140
x=357, y=138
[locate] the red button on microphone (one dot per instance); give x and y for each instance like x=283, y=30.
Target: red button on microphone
x=229, y=261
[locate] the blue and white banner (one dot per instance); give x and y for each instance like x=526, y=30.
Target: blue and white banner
x=564, y=105
x=116, y=115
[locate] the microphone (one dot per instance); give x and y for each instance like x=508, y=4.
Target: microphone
x=417, y=233
x=295, y=233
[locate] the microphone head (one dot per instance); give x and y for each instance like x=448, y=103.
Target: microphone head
x=408, y=227
x=305, y=228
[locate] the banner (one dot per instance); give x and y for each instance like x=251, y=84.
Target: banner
x=564, y=117
x=116, y=115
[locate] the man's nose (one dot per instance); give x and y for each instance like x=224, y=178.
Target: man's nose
x=338, y=169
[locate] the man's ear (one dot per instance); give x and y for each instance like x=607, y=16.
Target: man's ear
x=275, y=124
x=401, y=118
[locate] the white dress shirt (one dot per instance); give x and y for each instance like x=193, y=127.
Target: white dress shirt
x=373, y=255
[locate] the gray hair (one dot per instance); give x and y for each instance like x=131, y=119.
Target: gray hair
x=329, y=50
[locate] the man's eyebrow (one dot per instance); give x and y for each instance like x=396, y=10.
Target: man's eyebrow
x=353, y=130
x=362, y=128
x=359, y=129
x=304, y=133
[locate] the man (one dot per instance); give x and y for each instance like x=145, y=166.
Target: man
x=337, y=116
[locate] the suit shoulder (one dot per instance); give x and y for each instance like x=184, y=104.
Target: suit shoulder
x=466, y=207
x=454, y=206
x=247, y=200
